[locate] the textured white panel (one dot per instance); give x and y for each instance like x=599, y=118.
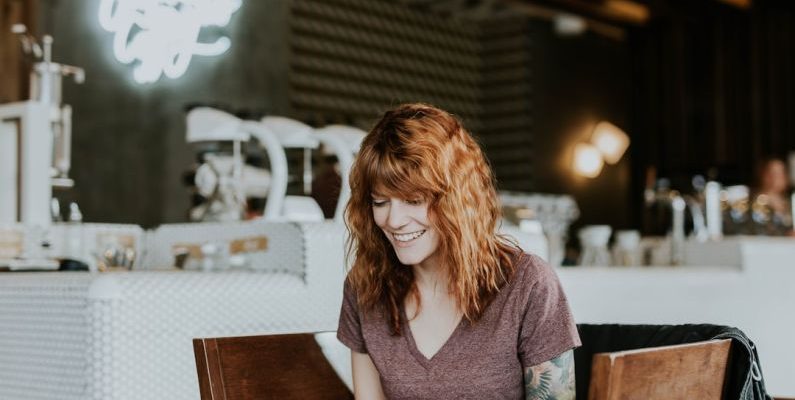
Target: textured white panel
x=127, y=335
x=44, y=335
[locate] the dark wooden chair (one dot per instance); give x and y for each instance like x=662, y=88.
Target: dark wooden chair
x=266, y=367
x=688, y=371
x=293, y=367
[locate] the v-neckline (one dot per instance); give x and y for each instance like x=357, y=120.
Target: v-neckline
x=412, y=344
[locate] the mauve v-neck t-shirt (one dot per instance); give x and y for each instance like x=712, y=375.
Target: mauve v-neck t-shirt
x=528, y=322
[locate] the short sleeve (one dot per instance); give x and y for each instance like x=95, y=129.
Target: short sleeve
x=349, y=330
x=548, y=328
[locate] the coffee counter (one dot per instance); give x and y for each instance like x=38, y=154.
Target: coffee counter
x=128, y=335
x=753, y=288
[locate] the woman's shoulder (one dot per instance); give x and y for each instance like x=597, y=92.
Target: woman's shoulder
x=349, y=293
x=530, y=268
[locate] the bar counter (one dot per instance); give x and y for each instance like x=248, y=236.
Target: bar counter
x=747, y=282
x=127, y=335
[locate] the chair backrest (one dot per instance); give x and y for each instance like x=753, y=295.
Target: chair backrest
x=266, y=367
x=688, y=371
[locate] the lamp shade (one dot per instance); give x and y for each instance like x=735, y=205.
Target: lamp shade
x=588, y=160
x=611, y=141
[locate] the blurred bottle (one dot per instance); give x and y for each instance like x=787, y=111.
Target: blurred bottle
x=73, y=234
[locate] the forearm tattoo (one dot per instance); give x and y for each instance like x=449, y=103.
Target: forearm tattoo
x=551, y=380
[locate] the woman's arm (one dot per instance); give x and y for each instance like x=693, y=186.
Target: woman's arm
x=551, y=380
x=366, y=381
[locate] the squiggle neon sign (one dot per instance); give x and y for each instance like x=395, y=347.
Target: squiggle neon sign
x=163, y=35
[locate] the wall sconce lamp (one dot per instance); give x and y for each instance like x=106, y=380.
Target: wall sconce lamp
x=611, y=141
x=608, y=143
x=588, y=160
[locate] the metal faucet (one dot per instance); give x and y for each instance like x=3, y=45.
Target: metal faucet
x=679, y=205
x=705, y=211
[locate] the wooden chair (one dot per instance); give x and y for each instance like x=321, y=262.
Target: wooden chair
x=294, y=367
x=266, y=367
x=688, y=371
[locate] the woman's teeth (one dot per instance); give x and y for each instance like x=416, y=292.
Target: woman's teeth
x=407, y=237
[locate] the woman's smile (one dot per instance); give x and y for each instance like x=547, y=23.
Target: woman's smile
x=407, y=238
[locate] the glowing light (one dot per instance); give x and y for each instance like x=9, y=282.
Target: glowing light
x=163, y=35
x=610, y=140
x=587, y=160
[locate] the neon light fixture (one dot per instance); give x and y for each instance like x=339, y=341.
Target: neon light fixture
x=163, y=35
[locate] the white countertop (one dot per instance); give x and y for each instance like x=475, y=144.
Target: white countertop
x=747, y=282
x=754, y=291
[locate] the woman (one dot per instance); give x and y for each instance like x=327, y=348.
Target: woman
x=772, y=195
x=437, y=305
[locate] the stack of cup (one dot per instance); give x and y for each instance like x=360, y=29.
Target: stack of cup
x=626, y=250
x=593, y=239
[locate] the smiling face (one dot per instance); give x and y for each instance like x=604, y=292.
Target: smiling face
x=406, y=225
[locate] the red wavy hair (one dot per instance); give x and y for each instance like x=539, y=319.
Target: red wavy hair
x=419, y=151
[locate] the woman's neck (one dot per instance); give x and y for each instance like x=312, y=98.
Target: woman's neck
x=430, y=277
x=433, y=289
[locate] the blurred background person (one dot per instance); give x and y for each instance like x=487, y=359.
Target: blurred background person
x=771, y=197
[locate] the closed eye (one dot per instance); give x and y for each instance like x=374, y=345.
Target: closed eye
x=379, y=203
x=415, y=202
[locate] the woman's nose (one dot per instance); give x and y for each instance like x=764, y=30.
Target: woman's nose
x=398, y=216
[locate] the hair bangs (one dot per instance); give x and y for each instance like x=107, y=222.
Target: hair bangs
x=392, y=176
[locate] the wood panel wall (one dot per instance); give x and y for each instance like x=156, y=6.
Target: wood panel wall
x=13, y=70
x=713, y=92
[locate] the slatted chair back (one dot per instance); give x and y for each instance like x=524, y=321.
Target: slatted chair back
x=688, y=371
x=281, y=367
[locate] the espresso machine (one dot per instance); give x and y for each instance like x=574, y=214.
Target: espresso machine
x=35, y=138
